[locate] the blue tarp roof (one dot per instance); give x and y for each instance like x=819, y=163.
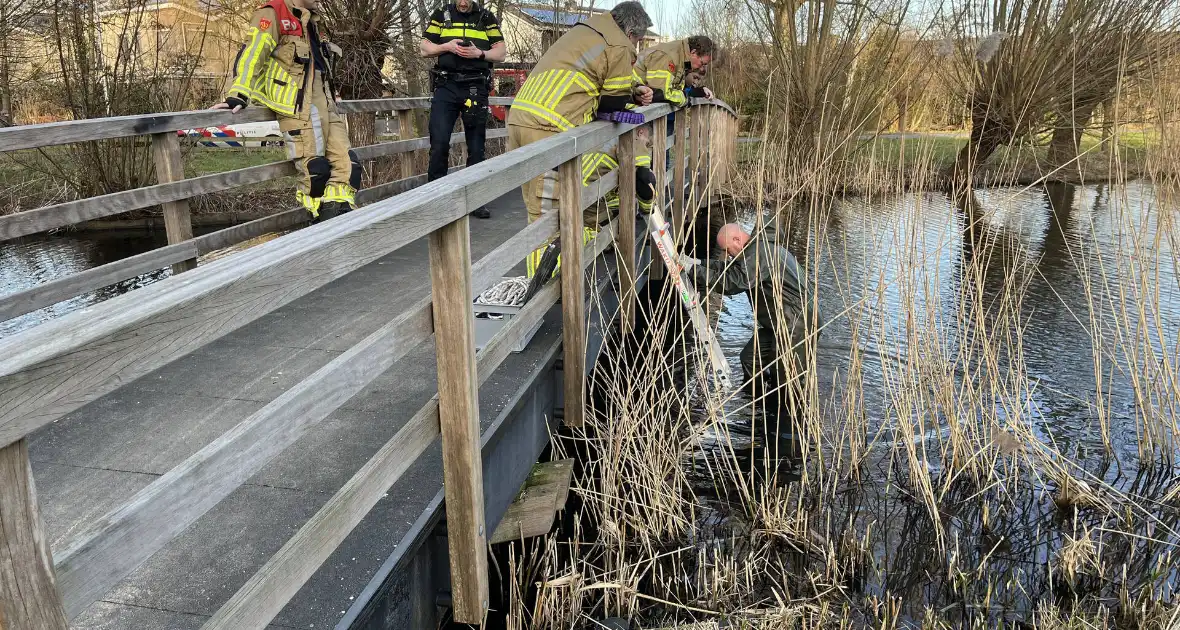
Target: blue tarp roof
x=550, y=16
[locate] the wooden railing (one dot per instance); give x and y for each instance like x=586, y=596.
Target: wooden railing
x=173, y=191
x=61, y=365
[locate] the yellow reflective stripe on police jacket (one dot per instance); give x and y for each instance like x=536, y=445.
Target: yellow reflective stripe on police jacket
x=459, y=33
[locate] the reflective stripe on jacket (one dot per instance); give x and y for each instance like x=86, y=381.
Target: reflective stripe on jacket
x=479, y=26
x=664, y=67
x=591, y=60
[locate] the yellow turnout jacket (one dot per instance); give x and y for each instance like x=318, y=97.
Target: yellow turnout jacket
x=593, y=59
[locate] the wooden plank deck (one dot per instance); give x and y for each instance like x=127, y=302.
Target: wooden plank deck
x=101, y=454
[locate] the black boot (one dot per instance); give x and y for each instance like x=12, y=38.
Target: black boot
x=333, y=209
x=482, y=212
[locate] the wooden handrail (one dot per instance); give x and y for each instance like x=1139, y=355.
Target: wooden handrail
x=266, y=593
x=57, y=367
x=41, y=135
x=71, y=212
x=89, y=129
x=244, y=287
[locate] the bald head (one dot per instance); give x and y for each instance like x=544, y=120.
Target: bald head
x=732, y=238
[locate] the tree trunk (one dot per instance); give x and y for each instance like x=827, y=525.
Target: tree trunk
x=1067, y=139
x=412, y=66
x=902, y=112
x=987, y=135
x=6, y=116
x=1108, y=123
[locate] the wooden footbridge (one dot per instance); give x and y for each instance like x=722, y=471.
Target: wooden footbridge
x=254, y=442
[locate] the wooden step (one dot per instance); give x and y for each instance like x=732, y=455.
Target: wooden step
x=536, y=506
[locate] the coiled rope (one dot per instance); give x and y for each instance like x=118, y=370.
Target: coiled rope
x=509, y=292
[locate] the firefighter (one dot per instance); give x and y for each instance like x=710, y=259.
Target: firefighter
x=665, y=69
x=585, y=72
x=286, y=66
x=673, y=70
x=466, y=40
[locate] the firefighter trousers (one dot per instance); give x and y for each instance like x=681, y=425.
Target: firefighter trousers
x=317, y=140
x=541, y=193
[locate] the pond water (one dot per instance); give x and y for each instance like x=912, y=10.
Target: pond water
x=30, y=261
x=1075, y=292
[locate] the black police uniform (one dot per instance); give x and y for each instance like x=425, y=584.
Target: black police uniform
x=460, y=85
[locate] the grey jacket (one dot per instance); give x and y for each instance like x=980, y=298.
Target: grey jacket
x=769, y=274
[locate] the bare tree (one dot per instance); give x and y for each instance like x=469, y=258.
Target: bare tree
x=15, y=18
x=1112, y=61
x=834, y=65
x=110, y=65
x=366, y=31
x=1030, y=68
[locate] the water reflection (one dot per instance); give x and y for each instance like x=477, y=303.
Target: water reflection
x=28, y=262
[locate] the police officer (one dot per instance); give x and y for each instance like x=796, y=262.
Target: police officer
x=467, y=41
x=286, y=66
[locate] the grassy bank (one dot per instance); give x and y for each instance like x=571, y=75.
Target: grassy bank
x=922, y=161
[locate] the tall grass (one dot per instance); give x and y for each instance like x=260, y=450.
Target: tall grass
x=935, y=490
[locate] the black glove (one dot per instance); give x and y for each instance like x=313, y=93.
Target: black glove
x=235, y=101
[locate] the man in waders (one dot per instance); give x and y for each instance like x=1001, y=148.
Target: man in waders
x=584, y=73
x=286, y=66
x=787, y=326
x=466, y=39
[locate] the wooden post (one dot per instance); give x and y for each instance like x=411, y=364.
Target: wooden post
x=679, y=163
x=28, y=593
x=705, y=114
x=170, y=168
x=625, y=251
x=573, y=297
x=659, y=164
x=458, y=412
x=405, y=131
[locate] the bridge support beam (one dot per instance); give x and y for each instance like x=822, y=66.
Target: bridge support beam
x=625, y=241
x=178, y=222
x=458, y=411
x=573, y=292
x=28, y=593
x=659, y=165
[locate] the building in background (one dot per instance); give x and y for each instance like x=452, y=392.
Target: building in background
x=530, y=29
